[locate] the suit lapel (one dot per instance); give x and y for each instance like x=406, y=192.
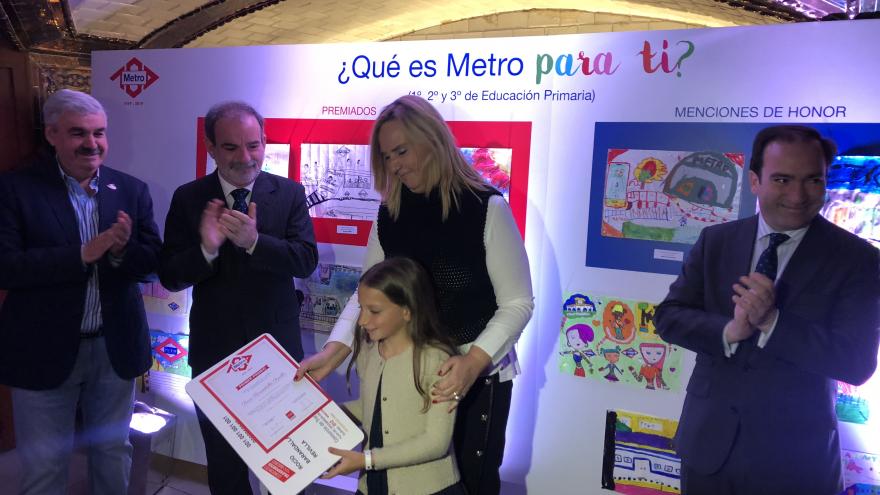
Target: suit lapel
x=214, y=189
x=263, y=195
x=814, y=247
x=744, y=244
x=211, y=189
x=737, y=251
x=108, y=199
x=59, y=201
x=737, y=241
x=743, y=247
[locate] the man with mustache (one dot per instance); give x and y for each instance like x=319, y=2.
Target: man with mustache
x=778, y=307
x=76, y=237
x=238, y=236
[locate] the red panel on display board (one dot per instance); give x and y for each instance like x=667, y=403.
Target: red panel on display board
x=515, y=136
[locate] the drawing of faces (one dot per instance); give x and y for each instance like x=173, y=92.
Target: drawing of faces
x=611, y=355
x=579, y=336
x=619, y=322
x=652, y=353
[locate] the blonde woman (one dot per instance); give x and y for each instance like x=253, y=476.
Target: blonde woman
x=437, y=210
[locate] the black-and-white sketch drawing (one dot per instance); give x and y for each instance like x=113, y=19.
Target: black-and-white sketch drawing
x=338, y=182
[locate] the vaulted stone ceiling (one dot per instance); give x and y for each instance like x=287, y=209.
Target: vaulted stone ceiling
x=79, y=26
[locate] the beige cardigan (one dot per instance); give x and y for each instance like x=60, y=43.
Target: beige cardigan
x=417, y=447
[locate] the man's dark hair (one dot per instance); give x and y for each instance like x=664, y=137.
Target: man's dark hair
x=788, y=134
x=228, y=109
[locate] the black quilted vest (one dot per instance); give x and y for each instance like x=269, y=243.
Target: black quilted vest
x=453, y=252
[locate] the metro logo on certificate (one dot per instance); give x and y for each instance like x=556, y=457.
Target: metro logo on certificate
x=273, y=404
x=279, y=427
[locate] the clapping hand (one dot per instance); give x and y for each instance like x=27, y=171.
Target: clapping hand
x=239, y=228
x=209, y=228
x=120, y=232
x=756, y=296
x=113, y=239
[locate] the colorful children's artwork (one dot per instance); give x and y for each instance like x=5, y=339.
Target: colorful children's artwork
x=159, y=300
x=851, y=405
x=614, y=340
x=170, y=352
x=338, y=181
x=861, y=489
x=326, y=292
x=855, y=211
x=493, y=164
x=669, y=196
x=860, y=467
x=853, y=202
x=639, y=458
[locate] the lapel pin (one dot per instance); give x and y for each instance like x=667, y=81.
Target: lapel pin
x=111, y=186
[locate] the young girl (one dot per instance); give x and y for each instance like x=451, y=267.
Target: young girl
x=398, y=349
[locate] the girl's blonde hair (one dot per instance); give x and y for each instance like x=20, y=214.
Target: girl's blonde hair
x=405, y=283
x=444, y=165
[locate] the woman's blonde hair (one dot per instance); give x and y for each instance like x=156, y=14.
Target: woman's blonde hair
x=444, y=165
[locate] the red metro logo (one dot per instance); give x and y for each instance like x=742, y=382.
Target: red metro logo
x=239, y=364
x=134, y=77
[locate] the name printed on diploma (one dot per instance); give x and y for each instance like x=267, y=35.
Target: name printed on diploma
x=280, y=428
x=262, y=395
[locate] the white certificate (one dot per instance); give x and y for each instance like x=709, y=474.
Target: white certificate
x=279, y=427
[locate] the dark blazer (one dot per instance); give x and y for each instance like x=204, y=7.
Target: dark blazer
x=240, y=296
x=779, y=401
x=41, y=266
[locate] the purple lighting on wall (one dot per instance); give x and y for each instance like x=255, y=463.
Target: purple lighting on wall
x=818, y=9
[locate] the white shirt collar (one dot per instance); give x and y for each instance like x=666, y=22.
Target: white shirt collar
x=93, y=182
x=228, y=188
x=764, y=230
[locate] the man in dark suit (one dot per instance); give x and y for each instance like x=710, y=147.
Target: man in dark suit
x=76, y=236
x=777, y=307
x=240, y=263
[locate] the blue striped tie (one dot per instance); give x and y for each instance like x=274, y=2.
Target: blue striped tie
x=239, y=202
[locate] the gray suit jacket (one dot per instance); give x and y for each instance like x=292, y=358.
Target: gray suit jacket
x=779, y=401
